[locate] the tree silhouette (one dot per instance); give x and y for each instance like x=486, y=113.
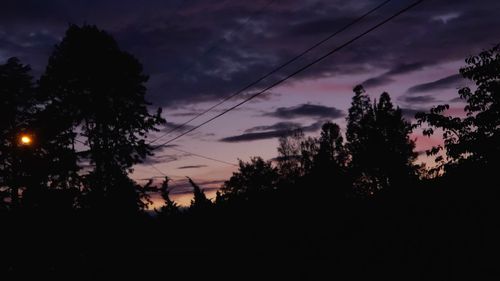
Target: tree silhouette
x=289, y=161
x=379, y=144
x=308, y=154
x=17, y=106
x=331, y=153
x=170, y=208
x=472, y=142
x=395, y=147
x=330, y=163
x=360, y=113
x=200, y=202
x=255, y=178
x=359, y=128
x=100, y=90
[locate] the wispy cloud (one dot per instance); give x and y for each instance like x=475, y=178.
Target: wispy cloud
x=29, y=31
x=191, y=167
x=164, y=158
x=409, y=113
x=418, y=99
x=282, y=131
x=183, y=186
x=452, y=81
x=274, y=127
x=307, y=110
x=387, y=77
x=445, y=18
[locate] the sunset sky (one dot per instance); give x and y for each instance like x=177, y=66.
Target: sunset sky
x=197, y=52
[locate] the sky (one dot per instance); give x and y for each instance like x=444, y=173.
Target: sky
x=197, y=52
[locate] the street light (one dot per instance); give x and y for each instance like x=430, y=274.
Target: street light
x=25, y=139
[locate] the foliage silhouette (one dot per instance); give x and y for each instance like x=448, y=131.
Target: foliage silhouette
x=170, y=208
x=252, y=179
x=70, y=208
x=473, y=141
x=100, y=90
x=330, y=164
x=200, y=202
x=379, y=144
x=17, y=109
x=289, y=162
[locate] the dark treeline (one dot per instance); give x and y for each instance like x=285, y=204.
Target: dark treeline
x=347, y=205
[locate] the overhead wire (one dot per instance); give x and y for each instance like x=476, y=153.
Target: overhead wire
x=204, y=157
x=283, y=79
x=301, y=69
x=273, y=71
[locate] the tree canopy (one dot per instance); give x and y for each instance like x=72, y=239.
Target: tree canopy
x=474, y=140
x=99, y=91
x=379, y=144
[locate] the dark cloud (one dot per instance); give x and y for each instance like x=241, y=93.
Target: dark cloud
x=321, y=26
x=307, y=110
x=192, y=55
x=407, y=68
x=386, y=77
x=191, y=167
x=256, y=136
x=452, y=81
x=271, y=134
x=409, y=113
x=170, y=125
x=185, y=114
x=418, y=99
x=183, y=186
x=164, y=158
x=275, y=127
x=377, y=81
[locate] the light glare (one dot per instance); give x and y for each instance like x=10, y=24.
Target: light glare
x=25, y=140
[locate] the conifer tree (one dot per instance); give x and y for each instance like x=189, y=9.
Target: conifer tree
x=379, y=144
x=200, y=202
x=170, y=208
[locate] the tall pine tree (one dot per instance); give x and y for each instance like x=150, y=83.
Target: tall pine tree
x=379, y=144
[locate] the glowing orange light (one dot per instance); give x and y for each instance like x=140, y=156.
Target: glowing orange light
x=26, y=140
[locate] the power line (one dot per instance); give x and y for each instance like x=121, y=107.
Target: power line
x=214, y=47
x=163, y=175
x=156, y=169
x=193, y=154
x=183, y=151
x=290, y=61
x=150, y=164
x=205, y=157
x=297, y=71
x=208, y=51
